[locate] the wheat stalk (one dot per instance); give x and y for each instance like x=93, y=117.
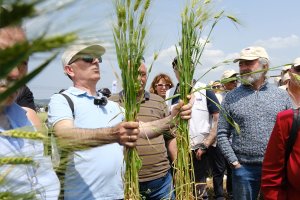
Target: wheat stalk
x=24, y=134
x=129, y=37
x=196, y=16
x=16, y=161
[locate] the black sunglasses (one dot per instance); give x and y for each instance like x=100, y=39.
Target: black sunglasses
x=163, y=85
x=87, y=58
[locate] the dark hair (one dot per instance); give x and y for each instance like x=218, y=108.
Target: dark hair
x=105, y=92
x=174, y=62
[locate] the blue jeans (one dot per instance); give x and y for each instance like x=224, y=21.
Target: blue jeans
x=246, y=182
x=161, y=188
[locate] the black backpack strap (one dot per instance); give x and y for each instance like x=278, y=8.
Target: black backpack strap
x=70, y=102
x=291, y=140
x=61, y=170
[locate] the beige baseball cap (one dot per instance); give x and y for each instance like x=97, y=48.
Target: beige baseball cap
x=72, y=51
x=252, y=53
x=229, y=73
x=296, y=62
x=286, y=67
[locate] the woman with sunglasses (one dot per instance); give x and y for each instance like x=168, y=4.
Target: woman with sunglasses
x=160, y=84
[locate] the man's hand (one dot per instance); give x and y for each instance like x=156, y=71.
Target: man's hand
x=127, y=133
x=184, y=111
x=199, y=153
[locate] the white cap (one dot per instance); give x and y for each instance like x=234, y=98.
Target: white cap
x=95, y=50
x=252, y=53
x=228, y=73
x=296, y=62
x=285, y=77
x=286, y=67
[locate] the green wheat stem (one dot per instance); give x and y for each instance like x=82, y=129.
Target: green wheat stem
x=129, y=34
x=195, y=16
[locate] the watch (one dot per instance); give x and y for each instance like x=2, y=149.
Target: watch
x=203, y=147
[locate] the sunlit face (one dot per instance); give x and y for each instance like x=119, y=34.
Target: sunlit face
x=248, y=66
x=230, y=85
x=161, y=87
x=84, y=71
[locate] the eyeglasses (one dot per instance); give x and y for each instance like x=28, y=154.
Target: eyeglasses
x=216, y=87
x=87, y=59
x=163, y=85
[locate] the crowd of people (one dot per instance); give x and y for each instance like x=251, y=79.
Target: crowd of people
x=238, y=125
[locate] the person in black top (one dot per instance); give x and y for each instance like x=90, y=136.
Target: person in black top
x=25, y=99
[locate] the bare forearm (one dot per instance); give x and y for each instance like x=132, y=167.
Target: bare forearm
x=87, y=137
x=212, y=137
x=157, y=127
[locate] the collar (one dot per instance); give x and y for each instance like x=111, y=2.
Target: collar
x=146, y=96
x=78, y=92
x=262, y=87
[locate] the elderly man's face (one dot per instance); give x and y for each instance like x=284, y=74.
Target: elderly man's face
x=249, y=66
x=82, y=71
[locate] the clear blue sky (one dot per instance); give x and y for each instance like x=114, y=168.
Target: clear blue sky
x=268, y=23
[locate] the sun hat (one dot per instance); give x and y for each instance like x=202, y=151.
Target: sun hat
x=95, y=50
x=252, y=53
x=228, y=74
x=296, y=62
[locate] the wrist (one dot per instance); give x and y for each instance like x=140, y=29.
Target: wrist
x=202, y=147
x=235, y=164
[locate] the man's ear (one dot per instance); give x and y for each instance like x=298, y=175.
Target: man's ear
x=68, y=70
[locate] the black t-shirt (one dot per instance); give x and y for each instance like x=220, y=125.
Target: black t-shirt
x=25, y=98
x=211, y=100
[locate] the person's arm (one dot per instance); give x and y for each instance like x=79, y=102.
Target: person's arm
x=154, y=128
x=125, y=133
x=172, y=149
x=60, y=117
x=33, y=118
x=25, y=99
x=273, y=164
x=223, y=135
x=213, y=109
x=211, y=137
x=212, y=102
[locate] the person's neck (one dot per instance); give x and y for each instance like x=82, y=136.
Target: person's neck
x=258, y=84
x=90, y=89
x=294, y=92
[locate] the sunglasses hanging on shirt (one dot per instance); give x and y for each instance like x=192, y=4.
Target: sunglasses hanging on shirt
x=100, y=100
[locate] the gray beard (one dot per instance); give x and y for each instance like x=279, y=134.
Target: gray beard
x=252, y=78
